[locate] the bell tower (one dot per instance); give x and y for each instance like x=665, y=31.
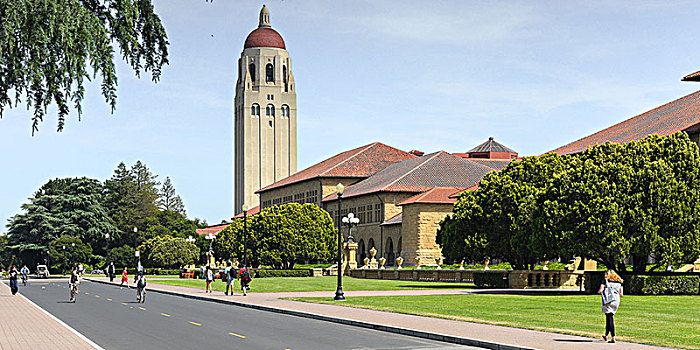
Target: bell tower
x=265, y=117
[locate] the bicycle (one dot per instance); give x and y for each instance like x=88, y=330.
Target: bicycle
x=24, y=279
x=73, y=291
x=141, y=295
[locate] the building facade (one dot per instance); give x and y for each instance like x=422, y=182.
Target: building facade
x=265, y=116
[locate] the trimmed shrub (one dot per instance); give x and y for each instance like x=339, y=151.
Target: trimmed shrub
x=491, y=279
x=282, y=273
x=657, y=285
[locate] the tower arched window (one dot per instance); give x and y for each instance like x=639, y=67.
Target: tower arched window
x=269, y=73
x=285, y=111
x=255, y=110
x=270, y=111
x=251, y=70
x=284, y=74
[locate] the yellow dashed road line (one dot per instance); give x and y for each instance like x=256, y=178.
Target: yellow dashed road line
x=97, y=296
x=142, y=308
x=109, y=299
x=124, y=304
x=237, y=335
x=166, y=315
x=196, y=324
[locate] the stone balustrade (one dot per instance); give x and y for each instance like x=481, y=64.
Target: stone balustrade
x=517, y=279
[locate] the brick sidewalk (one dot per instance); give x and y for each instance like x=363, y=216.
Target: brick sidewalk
x=24, y=326
x=477, y=331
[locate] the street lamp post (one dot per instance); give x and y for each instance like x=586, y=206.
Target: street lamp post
x=64, y=260
x=351, y=221
x=339, y=295
x=245, y=235
x=210, y=237
x=137, y=253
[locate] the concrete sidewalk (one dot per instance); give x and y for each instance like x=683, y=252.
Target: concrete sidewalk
x=475, y=334
x=24, y=325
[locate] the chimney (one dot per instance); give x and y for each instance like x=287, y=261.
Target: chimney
x=416, y=153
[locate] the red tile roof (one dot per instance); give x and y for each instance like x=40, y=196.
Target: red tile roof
x=264, y=37
x=491, y=146
x=215, y=229
x=251, y=211
x=495, y=164
x=439, y=169
x=396, y=219
x=692, y=77
x=458, y=193
x=679, y=115
x=435, y=195
x=360, y=162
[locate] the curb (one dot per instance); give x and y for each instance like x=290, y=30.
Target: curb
x=390, y=329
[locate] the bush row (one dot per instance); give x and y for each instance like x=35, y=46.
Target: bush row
x=490, y=279
x=655, y=284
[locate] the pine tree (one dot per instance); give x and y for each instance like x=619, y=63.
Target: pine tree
x=169, y=200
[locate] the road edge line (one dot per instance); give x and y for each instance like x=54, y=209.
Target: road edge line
x=361, y=324
x=80, y=335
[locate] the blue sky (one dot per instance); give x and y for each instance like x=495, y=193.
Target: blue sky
x=426, y=75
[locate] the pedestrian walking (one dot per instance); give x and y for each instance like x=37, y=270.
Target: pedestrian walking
x=611, y=292
x=81, y=269
x=244, y=276
x=125, y=278
x=13, y=279
x=209, y=279
x=230, y=274
x=110, y=272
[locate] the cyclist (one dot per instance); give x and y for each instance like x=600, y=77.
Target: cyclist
x=24, y=272
x=140, y=281
x=73, y=282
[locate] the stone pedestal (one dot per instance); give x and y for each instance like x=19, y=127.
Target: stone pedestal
x=696, y=268
x=349, y=259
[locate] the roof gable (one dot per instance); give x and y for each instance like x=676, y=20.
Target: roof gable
x=439, y=169
x=435, y=195
x=491, y=145
x=359, y=162
x=675, y=116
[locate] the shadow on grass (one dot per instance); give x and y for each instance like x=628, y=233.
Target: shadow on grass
x=529, y=293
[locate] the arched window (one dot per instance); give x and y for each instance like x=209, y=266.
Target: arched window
x=390, y=252
x=269, y=73
x=251, y=69
x=370, y=244
x=398, y=248
x=284, y=74
x=270, y=111
x=285, y=111
x=255, y=110
x=361, y=249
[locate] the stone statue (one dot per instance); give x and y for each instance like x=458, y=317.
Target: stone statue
x=382, y=261
x=486, y=263
x=417, y=262
x=461, y=265
x=366, y=266
x=438, y=261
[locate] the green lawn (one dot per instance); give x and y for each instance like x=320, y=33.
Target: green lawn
x=672, y=321
x=312, y=284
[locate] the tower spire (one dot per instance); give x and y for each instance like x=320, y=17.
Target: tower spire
x=264, y=18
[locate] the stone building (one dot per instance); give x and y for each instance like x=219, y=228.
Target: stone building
x=399, y=197
x=265, y=141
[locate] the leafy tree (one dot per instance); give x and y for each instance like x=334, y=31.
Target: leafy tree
x=634, y=200
x=123, y=256
x=169, y=201
x=48, y=48
x=67, y=251
x=69, y=206
x=280, y=236
x=173, y=252
x=7, y=257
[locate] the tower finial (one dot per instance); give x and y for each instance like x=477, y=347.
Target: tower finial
x=264, y=18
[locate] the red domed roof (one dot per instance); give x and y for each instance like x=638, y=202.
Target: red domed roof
x=264, y=37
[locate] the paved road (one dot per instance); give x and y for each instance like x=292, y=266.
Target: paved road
x=110, y=317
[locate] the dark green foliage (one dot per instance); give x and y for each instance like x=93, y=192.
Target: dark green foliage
x=122, y=257
x=48, y=48
x=657, y=285
x=67, y=251
x=70, y=206
x=280, y=236
x=169, y=201
x=490, y=279
x=613, y=201
x=283, y=273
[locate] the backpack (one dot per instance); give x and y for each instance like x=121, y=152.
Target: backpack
x=245, y=275
x=142, y=282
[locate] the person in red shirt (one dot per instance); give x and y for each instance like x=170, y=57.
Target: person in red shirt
x=124, y=279
x=244, y=276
